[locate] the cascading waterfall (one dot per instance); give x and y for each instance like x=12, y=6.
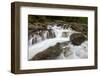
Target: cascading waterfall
x=53, y=31
x=55, y=34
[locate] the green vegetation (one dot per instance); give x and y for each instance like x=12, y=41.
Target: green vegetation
x=42, y=19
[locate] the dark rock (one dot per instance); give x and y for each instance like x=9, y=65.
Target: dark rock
x=50, y=53
x=51, y=34
x=67, y=51
x=64, y=44
x=80, y=28
x=59, y=24
x=77, y=38
x=65, y=26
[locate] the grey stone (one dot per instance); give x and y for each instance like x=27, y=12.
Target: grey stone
x=50, y=53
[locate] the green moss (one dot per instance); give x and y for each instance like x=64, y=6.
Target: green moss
x=43, y=19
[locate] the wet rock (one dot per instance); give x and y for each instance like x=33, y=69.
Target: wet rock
x=64, y=44
x=80, y=27
x=67, y=51
x=64, y=34
x=65, y=26
x=37, y=26
x=77, y=38
x=50, y=34
x=50, y=53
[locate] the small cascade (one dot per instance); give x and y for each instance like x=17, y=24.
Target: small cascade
x=52, y=31
x=62, y=34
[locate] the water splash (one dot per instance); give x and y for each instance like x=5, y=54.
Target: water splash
x=42, y=39
x=53, y=31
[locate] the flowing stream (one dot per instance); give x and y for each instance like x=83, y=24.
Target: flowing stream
x=43, y=39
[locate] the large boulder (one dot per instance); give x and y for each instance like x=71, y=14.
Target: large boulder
x=50, y=53
x=80, y=27
x=77, y=38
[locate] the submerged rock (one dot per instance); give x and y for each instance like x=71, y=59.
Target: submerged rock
x=50, y=34
x=77, y=38
x=65, y=34
x=50, y=53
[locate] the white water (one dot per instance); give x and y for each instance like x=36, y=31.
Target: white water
x=75, y=52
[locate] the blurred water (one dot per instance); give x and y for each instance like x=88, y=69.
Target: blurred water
x=38, y=43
